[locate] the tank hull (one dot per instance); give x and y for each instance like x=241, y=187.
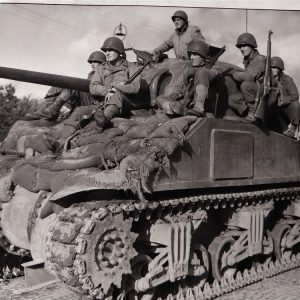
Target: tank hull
x=221, y=153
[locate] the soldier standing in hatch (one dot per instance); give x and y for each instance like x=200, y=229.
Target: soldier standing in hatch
x=284, y=96
x=250, y=78
x=57, y=97
x=202, y=77
x=184, y=33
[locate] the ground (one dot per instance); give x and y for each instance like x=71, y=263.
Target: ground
x=282, y=287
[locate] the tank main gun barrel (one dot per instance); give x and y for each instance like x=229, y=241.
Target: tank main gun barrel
x=61, y=81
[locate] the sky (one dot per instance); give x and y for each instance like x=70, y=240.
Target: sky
x=58, y=38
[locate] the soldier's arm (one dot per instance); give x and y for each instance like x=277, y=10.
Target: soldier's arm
x=96, y=86
x=165, y=46
x=293, y=94
x=252, y=72
x=132, y=87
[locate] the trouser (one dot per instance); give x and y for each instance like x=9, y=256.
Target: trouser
x=202, y=79
x=289, y=112
x=124, y=104
x=78, y=119
x=56, y=136
x=235, y=98
x=249, y=90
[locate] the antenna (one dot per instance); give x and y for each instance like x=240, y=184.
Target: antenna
x=246, y=20
x=120, y=31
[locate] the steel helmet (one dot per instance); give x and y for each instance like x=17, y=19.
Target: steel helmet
x=246, y=39
x=198, y=47
x=97, y=56
x=180, y=14
x=277, y=62
x=113, y=43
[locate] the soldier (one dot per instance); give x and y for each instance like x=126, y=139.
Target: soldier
x=57, y=97
x=202, y=77
x=284, y=96
x=109, y=82
x=184, y=33
x=250, y=78
x=95, y=59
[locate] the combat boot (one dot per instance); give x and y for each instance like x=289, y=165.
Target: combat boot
x=100, y=118
x=111, y=111
x=200, y=97
x=250, y=118
x=291, y=131
x=51, y=111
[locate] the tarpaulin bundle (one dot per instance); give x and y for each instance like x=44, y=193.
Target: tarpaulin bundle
x=135, y=153
x=24, y=128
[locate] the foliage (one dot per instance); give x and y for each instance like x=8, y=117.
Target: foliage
x=13, y=108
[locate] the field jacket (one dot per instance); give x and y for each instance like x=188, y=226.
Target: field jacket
x=286, y=88
x=179, y=40
x=254, y=68
x=108, y=76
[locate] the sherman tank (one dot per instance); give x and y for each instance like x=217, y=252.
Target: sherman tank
x=157, y=207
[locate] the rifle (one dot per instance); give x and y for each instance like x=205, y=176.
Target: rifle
x=260, y=106
x=214, y=55
x=143, y=57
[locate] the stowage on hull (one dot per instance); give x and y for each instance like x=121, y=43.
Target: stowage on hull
x=156, y=206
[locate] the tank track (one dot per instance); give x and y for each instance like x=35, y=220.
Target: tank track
x=65, y=245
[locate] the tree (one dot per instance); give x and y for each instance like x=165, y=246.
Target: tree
x=13, y=108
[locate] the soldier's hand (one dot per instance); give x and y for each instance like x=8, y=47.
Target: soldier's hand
x=110, y=94
x=188, y=76
x=155, y=55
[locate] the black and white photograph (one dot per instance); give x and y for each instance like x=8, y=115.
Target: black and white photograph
x=149, y=150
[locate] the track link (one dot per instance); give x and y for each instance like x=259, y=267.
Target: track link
x=65, y=248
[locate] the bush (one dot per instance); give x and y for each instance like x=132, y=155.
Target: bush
x=13, y=108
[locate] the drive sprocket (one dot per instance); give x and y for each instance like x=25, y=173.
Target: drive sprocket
x=109, y=249
x=90, y=248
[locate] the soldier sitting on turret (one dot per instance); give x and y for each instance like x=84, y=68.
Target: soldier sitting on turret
x=56, y=98
x=201, y=77
x=250, y=78
x=284, y=96
x=109, y=82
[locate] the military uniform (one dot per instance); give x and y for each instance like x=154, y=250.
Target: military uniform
x=179, y=40
x=284, y=98
x=83, y=98
x=108, y=76
x=250, y=80
x=195, y=82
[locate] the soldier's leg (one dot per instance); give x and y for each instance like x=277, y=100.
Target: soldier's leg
x=201, y=83
x=236, y=99
x=249, y=90
x=118, y=104
x=78, y=119
x=169, y=106
x=51, y=108
x=291, y=111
